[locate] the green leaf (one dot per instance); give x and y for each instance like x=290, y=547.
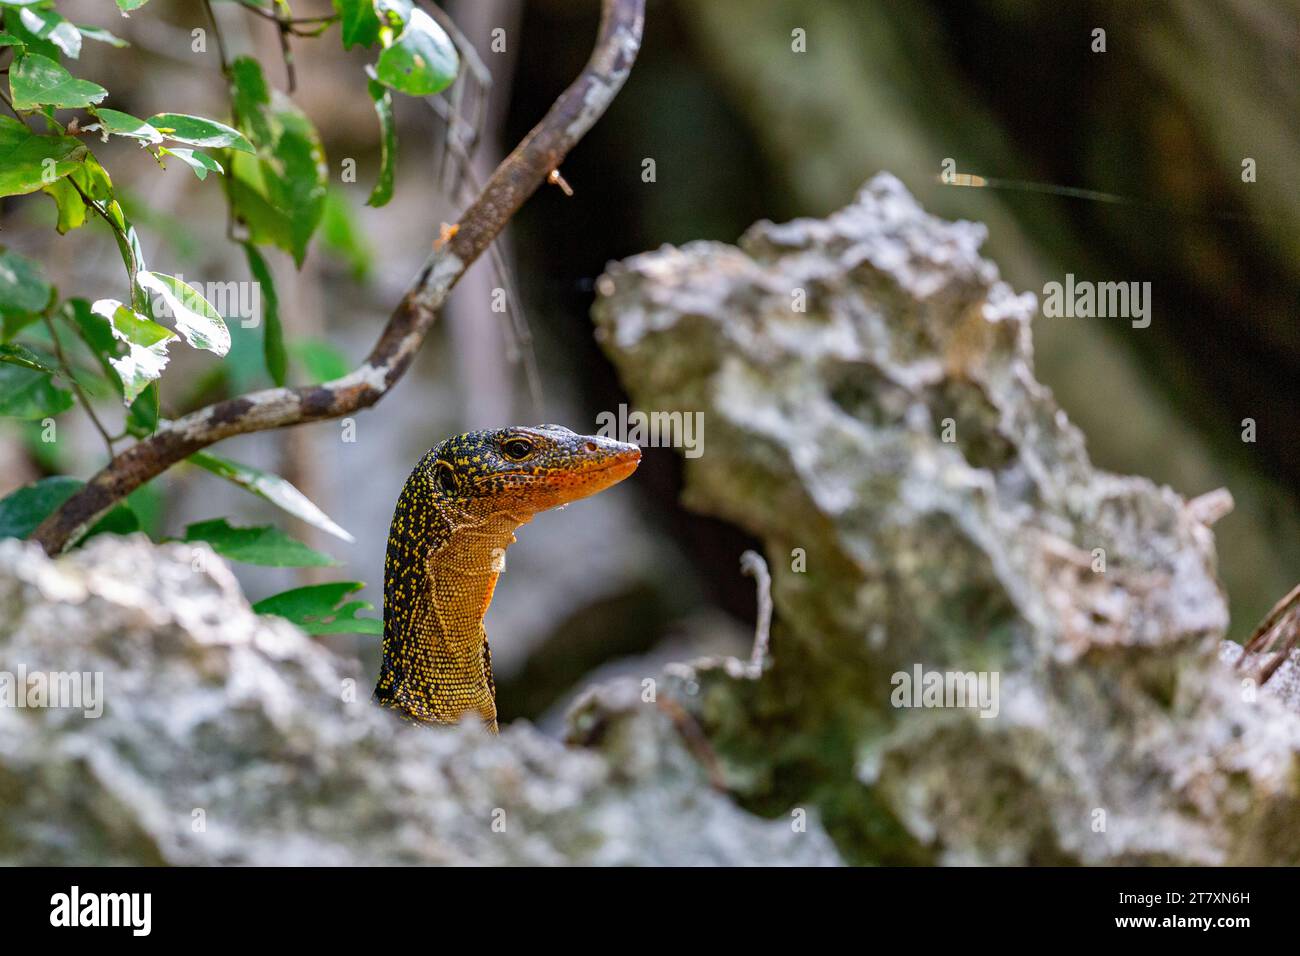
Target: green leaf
x=26, y=41
x=123, y=124
x=24, y=295
x=36, y=80
x=393, y=13
x=94, y=182
x=29, y=162
x=45, y=24
x=142, y=416
x=146, y=342
x=70, y=205
x=201, y=163
x=321, y=359
x=101, y=35
x=319, y=609
x=262, y=545
x=272, y=332
x=197, y=131
x=121, y=520
x=29, y=394
x=358, y=22
x=195, y=317
x=148, y=504
x=128, y=246
x=22, y=511
x=96, y=333
x=422, y=61
x=22, y=290
x=93, y=178
x=244, y=367
x=22, y=356
x=281, y=196
x=7, y=39
x=273, y=488
x=343, y=236
x=126, y=6
x=383, y=191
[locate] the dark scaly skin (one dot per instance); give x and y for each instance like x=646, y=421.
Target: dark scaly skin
x=456, y=516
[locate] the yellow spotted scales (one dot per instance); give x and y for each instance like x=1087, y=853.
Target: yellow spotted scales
x=456, y=516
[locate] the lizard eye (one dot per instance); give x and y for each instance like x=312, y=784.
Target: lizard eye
x=446, y=478
x=517, y=449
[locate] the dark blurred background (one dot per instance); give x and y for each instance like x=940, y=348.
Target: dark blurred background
x=740, y=127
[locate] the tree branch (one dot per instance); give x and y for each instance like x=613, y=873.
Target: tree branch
x=511, y=184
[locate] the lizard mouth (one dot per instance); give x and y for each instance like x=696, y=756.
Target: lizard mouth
x=628, y=459
x=607, y=469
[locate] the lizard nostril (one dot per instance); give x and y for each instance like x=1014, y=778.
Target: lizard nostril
x=590, y=446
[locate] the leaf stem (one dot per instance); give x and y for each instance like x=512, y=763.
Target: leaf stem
x=291, y=23
x=10, y=103
x=76, y=386
x=123, y=239
x=216, y=33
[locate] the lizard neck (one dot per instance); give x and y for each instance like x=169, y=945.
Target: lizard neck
x=441, y=570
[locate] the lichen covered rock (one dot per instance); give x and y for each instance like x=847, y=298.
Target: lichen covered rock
x=872, y=415
x=226, y=737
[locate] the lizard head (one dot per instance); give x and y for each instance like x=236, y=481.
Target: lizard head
x=523, y=471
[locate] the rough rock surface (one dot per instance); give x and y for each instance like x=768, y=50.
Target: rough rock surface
x=871, y=410
x=214, y=715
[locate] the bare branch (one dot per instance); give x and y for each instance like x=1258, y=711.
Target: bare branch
x=518, y=176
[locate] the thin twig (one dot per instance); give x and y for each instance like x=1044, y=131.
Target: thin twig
x=516, y=178
x=216, y=33
x=1283, y=621
x=452, y=110
x=473, y=62
x=1263, y=636
x=10, y=103
x=293, y=24
x=76, y=386
x=286, y=53
x=123, y=239
x=519, y=337
x=696, y=740
x=461, y=148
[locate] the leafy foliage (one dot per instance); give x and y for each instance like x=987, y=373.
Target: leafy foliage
x=280, y=194
x=30, y=394
x=22, y=290
x=146, y=346
x=273, y=488
x=29, y=161
x=320, y=609
x=108, y=344
x=36, y=80
x=197, y=131
x=421, y=60
x=23, y=510
x=263, y=545
x=383, y=190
